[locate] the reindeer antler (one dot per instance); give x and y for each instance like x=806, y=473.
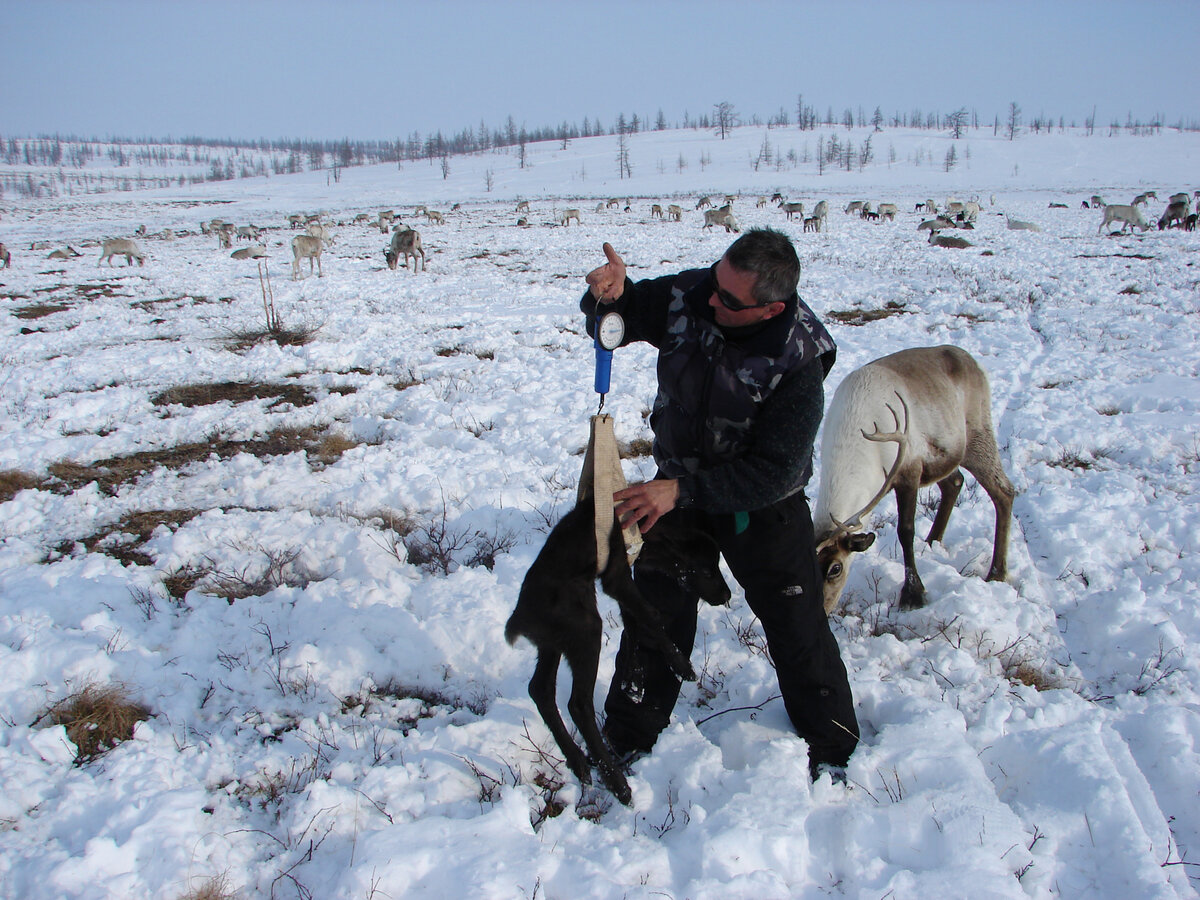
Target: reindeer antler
x=900, y=436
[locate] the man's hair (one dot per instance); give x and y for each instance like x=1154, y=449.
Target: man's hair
x=768, y=254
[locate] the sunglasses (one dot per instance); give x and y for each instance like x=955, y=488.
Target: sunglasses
x=730, y=302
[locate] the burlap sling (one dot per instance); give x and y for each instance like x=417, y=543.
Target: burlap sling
x=602, y=477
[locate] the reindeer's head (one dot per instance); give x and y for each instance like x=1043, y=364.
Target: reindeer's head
x=391, y=256
x=837, y=540
x=833, y=562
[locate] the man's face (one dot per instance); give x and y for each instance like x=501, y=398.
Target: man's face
x=737, y=289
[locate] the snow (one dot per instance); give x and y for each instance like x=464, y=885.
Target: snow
x=362, y=729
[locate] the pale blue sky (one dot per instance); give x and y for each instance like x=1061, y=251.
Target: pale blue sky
x=369, y=69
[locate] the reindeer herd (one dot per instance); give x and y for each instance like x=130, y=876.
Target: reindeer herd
x=716, y=210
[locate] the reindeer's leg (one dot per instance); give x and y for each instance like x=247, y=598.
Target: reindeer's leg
x=912, y=595
x=642, y=620
x=542, y=688
x=985, y=466
x=949, y=486
x=584, y=659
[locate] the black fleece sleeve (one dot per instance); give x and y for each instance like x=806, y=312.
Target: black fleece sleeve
x=777, y=463
x=643, y=306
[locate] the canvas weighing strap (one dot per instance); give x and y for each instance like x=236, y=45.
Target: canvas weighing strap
x=601, y=478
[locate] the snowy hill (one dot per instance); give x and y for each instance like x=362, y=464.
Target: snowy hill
x=299, y=556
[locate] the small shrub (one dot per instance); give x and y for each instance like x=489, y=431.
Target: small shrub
x=96, y=718
x=281, y=570
x=407, y=380
x=284, y=337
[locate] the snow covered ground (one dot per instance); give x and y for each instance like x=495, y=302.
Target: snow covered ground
x=332, y=719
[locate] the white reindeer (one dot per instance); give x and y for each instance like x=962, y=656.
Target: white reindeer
x=1018, y=225
x=321, y=233
x=821, y=213
x=404, y=244
x=1130, y=216
x=435, y=217
x=254, y=251
x=565, y=217
x=121, y=247
x=721, y=216
x=887, y=211
x=674, y=212
x=939, y=403
x=305, y=246
x=68, y=253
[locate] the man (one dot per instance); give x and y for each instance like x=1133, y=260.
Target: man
x=740, y=370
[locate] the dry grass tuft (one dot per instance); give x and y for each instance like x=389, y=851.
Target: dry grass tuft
x=214, y=887
x=324, y=448
x=123, y=541
x=178, y=582
x=13, y=481
x=863, y=316
x=96, y=718
x=39, y=310
x=636, y=448
x=1026, y=672
x=193, y=395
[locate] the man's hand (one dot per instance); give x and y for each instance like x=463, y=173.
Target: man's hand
x=608, y=281
x=646, y=503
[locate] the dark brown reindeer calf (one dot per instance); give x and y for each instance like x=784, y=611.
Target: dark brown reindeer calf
x=556, y=611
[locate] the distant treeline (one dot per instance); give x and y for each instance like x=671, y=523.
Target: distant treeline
x=204, y=159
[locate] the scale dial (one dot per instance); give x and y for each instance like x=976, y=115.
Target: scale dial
x=610, y=331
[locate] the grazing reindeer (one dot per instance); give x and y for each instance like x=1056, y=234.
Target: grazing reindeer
x=821, y=213
x=556, y=610
x=1129, y=216
x=939, y=400
x=721, y=216
x=121, y=247
x=405, y=243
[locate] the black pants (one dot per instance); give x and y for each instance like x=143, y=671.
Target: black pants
x=774, y=560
